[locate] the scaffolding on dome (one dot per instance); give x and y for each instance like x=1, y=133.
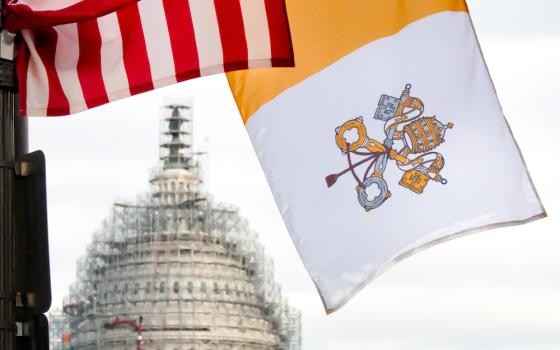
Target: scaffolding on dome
x=59, y=334
x=175, y=269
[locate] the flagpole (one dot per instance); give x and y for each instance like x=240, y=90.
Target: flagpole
x=13, y=141
x=7, y=222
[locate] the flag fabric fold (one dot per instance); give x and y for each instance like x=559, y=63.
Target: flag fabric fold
x=385, y=139
x=79, y=54
x=28, y=14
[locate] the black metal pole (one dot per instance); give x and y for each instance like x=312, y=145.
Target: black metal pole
x=13, y=143
x=21, y=131
x=8, y=137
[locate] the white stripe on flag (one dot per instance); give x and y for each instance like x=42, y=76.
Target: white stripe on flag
x=112, y=65
x=7, y=45
x=37, y=79
x=257, y=33
x=158, y=43
x=66, y=63
x=207, y=33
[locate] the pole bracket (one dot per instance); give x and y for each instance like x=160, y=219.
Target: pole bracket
x=20, y=168
x=10, y=326
x=7, y=164
x=23, y=329
x=8, y=78
x=4, y=295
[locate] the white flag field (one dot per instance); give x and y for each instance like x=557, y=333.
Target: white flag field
x=386, y=138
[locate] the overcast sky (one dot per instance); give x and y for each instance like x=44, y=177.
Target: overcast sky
x=494, y=290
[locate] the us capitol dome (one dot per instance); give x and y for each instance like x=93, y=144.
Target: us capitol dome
x=175, y=270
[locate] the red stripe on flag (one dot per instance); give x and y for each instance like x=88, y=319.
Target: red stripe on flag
x=183, y=40
x=21, y=67
x=21, y=15
x=135, y=55
x=45, y=43
x=232, y=34
x=89, y=64
x=280, y=40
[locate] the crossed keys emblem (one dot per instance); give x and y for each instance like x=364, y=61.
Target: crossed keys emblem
x=405, y=124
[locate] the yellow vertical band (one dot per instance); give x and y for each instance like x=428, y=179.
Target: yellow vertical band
x=323, y=31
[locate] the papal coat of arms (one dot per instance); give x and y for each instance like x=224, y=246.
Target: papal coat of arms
x=405, y=124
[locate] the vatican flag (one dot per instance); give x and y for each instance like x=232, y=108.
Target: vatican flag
x=386, y=138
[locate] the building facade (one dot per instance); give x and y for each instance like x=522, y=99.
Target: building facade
x=175, y=270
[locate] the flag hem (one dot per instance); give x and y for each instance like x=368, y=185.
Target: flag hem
x=408, y=253
x=504, y=116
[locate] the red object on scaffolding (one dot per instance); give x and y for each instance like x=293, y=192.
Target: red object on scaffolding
x=132, y=324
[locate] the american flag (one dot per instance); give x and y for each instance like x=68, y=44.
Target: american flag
x=79, y=54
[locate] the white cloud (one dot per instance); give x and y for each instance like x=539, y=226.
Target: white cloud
x=515, y=18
